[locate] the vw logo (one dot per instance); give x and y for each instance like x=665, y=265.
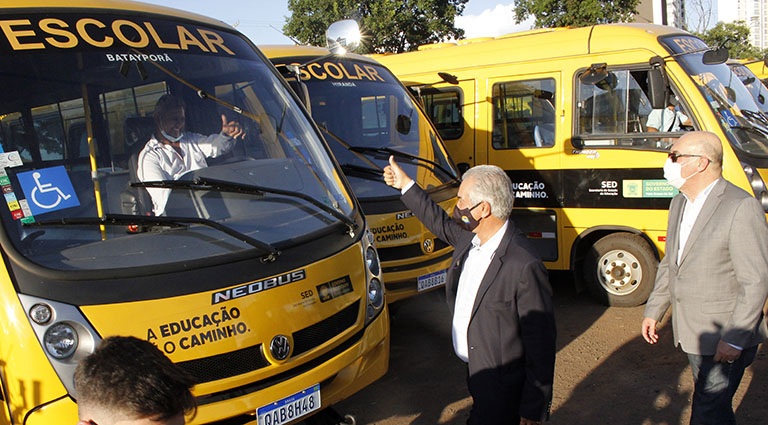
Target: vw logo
x=429, y=246
x=280, y=347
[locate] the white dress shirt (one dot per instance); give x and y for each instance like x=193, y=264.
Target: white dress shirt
x=472, y=273
x=666, y=119
x=159, y=162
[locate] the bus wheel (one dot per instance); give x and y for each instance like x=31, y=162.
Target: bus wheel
x=620, y=270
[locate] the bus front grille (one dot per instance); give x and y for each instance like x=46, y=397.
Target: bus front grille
x=317, y=334
x=407, y=251
x=252, y=358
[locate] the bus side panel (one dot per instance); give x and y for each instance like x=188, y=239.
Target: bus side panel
x=28, y=379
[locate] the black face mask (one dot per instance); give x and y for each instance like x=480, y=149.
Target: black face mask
x=463, y=216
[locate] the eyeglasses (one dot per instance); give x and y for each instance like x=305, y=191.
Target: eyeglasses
x=674, y=156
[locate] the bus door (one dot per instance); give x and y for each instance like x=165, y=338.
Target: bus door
x=521, y=139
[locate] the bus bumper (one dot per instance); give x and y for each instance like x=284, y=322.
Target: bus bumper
x=340, y=377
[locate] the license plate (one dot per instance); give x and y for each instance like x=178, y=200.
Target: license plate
x=431, y=280
x=290, y=408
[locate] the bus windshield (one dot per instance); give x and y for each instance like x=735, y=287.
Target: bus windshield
x=367, y=116
x=753, y=84
x=739, y=115
x=78, y=129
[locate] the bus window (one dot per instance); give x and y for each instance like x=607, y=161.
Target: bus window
x=374, y=119
x=524, y=114
x=444, y=106
x=617, y=112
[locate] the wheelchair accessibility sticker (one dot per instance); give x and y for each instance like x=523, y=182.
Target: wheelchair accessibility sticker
x=48, y=189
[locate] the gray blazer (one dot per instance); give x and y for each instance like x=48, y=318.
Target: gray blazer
x=719, y=289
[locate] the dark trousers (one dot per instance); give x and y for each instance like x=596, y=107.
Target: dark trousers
x=495, y=397
x=715, y=384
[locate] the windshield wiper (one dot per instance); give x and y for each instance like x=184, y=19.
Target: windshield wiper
x=348, y=147
x=149, y=221
x=384, y=153
x=755, y=116
x=363, y=172
x=200, y=183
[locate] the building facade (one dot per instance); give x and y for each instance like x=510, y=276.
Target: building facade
x=754, y=13
x=662, y=12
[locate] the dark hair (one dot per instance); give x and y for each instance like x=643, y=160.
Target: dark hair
x=131, y=376
x=166, y=103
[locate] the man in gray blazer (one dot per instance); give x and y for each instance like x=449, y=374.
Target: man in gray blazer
x=714, y=275
x=499, y=295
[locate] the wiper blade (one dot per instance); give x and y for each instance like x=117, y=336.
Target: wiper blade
x=151, y=221
x=362, y=172
x=348, y=147
x=755, y=116
x=248, y=189
x=385, y=152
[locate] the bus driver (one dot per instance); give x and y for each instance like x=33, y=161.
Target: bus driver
x=171, y=151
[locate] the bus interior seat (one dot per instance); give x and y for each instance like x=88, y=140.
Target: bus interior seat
x=137, y=131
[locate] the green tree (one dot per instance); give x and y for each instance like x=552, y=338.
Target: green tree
x=387, y=25
x=735, y=36
x=575, y=13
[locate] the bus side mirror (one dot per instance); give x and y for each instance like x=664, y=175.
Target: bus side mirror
x=657, y=86
x=343, y=36
x=716, y=56
x=403, y=124
x=448, y=78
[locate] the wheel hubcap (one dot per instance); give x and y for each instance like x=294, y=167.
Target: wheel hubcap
x=620, y=272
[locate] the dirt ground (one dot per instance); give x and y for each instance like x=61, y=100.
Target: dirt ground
x=605, y=372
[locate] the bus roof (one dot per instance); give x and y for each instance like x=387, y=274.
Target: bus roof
x=538, y=44
x=116, y=5
x=279, y=51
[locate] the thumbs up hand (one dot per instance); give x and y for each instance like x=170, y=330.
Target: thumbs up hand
x=395, y=176
x=232, y=129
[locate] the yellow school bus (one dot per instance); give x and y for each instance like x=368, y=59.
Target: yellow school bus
x=752, y=82
x=582, y=119
x=259, y=277
x=759, y=68
x=367, y=115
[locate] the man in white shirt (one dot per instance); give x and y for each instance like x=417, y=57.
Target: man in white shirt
x=171, y=151
x=498, y=291
x=668, y=119
x=714, y=276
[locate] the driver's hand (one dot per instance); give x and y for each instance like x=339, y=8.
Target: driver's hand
x=232, y=129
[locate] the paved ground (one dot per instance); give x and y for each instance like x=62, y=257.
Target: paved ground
x=605, y=372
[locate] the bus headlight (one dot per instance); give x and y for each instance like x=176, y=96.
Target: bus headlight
x=375, y=298
x=372, y=260
x=60, y=340
x=40, y=313
x=757, y=184
x=65, y=336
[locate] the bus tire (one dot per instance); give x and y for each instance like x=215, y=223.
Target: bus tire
x=620, y=270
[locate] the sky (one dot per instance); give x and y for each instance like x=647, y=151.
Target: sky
x=262, y=20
